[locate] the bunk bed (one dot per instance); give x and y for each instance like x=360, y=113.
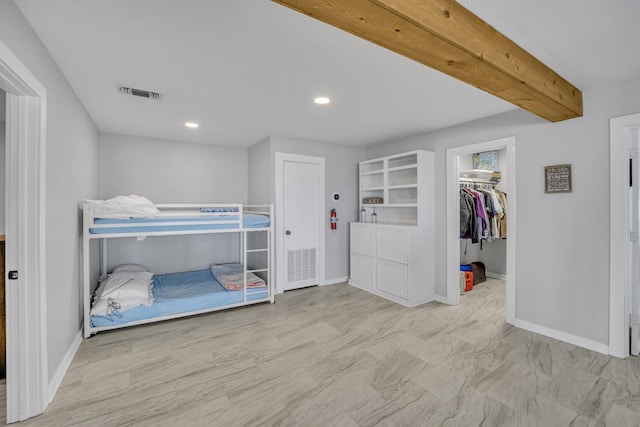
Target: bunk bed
x=179, y=294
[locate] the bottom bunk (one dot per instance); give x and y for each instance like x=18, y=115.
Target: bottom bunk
x=171, y=296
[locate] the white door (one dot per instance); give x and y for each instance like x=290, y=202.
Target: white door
x=300, y=232
x=28, y=386
x=634, y=245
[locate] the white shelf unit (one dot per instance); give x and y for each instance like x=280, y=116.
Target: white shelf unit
x=394, y=258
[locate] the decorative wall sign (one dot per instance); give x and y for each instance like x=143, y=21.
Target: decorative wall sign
x=557, y=179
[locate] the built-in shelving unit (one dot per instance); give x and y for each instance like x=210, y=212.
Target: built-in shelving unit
x=394, y=257
x=393, y=183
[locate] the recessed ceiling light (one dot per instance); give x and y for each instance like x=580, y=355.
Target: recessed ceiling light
x=191, y=125
x=322, y=100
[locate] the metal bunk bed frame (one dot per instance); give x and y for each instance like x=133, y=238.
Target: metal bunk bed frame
x=177, y=211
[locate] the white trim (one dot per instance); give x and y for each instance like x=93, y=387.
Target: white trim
x=280, y=158
x=440, y=299
x=453, y=220
x=563, y=336
x=392, y=297
x=496, y=276
x=64, y=366
x=27, y=369
x=620, y=138
x=336, y=281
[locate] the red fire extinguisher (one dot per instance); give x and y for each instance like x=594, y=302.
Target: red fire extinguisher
x=333, y=219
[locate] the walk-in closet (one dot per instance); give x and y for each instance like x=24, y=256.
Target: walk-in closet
x=484, y=213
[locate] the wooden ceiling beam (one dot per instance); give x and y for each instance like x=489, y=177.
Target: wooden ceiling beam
x=443, y=35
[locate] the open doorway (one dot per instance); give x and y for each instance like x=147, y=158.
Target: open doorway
x=455, y=158
x=483, y=177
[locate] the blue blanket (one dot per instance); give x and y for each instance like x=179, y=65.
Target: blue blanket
x=143, y=225
x=180, y=293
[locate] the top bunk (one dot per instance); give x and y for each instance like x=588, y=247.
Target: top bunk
x=135, y=220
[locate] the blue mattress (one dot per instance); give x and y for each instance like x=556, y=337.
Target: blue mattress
x=144, y=225
x=181, y=293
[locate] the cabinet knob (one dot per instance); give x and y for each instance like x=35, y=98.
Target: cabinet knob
x=288, y=232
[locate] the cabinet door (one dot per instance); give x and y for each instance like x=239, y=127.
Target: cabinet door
x=391, y=278
x=362, y=239
x=391, y=244
x=362, y=270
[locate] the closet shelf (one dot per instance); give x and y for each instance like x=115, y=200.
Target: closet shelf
x=390, y=205
x=373, y=172
x=372, y=189
x=400, y=168
x=397, y=187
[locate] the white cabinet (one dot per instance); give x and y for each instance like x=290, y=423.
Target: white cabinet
x=392, y=243
x=392, y=278
x=394, y=258
x=399, y=267
x=362, y=270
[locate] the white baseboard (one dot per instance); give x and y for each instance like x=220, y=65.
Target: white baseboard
x=563, y=336
x=441, y=299
x=64, y=366
x=496, y=276
x=336, y=281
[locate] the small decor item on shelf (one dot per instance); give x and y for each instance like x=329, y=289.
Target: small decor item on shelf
x=495, y=178
x=363, y=215
x=372, y=200
x=374, y=216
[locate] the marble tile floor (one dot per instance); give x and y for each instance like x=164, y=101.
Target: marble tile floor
x=338, y=356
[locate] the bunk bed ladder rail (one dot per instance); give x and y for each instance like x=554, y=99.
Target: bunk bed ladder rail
x=244, y=253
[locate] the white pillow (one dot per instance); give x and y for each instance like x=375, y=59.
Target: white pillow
x=129, y=267
x=143, y=206
x=122, y=291
x=127, y=284
x=106, y=306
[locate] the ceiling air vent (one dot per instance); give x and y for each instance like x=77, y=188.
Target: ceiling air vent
x=139, y=92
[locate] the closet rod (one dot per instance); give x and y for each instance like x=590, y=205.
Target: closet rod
x=476, y=183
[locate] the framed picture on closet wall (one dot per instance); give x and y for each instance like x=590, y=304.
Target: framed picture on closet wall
x=488, y=160
x=557, y=179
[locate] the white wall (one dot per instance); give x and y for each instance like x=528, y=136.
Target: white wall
x=563, y=251
x=261, y=173
x=173, y=172
x=71, y=175
x=341, y=176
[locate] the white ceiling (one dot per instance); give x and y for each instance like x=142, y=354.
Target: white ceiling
x=251, y=68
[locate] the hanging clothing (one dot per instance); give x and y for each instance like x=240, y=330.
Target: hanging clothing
x=502, y=224
x=483, y=214
x=468, y=217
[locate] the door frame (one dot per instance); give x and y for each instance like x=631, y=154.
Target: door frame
x=280, y=159
x=26, y=313
x=453, y=220
x=621, y=134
